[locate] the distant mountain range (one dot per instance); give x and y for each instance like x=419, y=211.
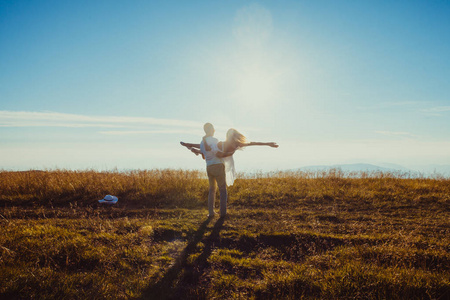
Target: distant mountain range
x=351, y=168
x=385, y=167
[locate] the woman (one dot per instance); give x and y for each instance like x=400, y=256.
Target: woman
x=234, y=141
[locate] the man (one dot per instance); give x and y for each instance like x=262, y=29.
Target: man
x=214, y=168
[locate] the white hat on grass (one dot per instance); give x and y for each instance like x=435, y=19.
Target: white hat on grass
x=109, y=200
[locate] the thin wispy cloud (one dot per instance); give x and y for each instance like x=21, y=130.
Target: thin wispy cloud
x=394, y=104
x=139, y=132
x=421, y=107
x=395, y=133
x=14, y=123
x=55, y=119
x=437, y=110
x=130, y=125
x=402, y=103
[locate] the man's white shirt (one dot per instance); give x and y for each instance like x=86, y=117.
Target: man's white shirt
x=210, y=156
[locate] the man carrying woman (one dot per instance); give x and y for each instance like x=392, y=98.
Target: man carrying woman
x=219, y=162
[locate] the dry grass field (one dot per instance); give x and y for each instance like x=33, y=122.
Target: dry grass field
x=287, y=236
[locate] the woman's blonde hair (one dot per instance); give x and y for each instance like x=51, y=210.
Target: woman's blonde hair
x=235, y=136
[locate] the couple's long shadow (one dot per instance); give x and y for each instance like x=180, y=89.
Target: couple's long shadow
x=182, y=274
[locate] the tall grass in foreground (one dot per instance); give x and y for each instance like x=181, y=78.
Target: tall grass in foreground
x=288, y=236
x=180, y=188
x=60, y=187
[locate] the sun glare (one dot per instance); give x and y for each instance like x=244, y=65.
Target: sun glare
x=255, y=85
x=257, y=73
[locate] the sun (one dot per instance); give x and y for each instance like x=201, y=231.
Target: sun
x=256, y=84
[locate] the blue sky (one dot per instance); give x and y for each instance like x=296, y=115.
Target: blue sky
x=106, y=84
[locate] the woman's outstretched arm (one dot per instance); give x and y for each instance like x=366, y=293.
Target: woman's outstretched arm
x=221, y=154
x=270, y=144
x=195, y=149
x=189, y=145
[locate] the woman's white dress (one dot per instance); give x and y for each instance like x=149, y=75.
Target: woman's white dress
x=230, y=172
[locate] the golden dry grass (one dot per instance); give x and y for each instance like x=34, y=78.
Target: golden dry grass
x=287, y=236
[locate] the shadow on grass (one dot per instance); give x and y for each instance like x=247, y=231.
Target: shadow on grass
x=178, y=281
